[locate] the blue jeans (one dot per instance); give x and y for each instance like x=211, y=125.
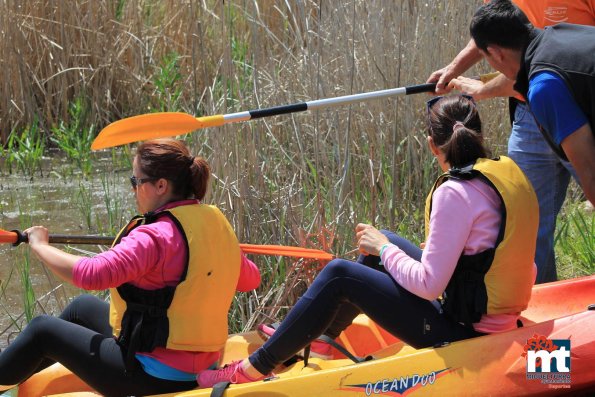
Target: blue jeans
x=549, y=176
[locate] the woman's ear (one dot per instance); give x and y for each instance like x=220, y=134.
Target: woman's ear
x=161, y=186
x=433, y=148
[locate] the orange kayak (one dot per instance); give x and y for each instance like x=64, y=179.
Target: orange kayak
x=553, y=353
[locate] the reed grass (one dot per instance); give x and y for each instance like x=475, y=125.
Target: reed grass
x=7, y=310
x=84, y=204
x=74, y=138
x=28, y=292
x=575, y=241
x=23, y=267
x=304, y=179
x=168, y=90
x=116, y=209
x=24, y=150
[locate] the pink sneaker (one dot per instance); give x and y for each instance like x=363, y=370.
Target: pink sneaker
x=232, y=372
x=318, y=348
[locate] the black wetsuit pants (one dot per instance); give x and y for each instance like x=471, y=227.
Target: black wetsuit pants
x=341, y=291
x=81, y=339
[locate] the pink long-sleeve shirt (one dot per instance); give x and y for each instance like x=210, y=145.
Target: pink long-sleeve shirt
x=465, y=219
x=149, y=258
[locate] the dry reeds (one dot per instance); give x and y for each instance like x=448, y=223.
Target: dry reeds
x=279, y=178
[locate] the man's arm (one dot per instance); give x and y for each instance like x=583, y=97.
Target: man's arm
x=580, y=150
x=468, y=57
x=499, y=86
x=558, y=113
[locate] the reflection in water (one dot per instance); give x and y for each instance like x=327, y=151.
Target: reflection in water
x=72, y=204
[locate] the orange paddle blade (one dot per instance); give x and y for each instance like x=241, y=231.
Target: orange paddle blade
x=8, y=237
x=297, y=252
x=151, y=126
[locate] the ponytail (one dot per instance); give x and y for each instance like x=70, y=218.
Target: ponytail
x=455, y=128
x=199, y=177
x=464, y=147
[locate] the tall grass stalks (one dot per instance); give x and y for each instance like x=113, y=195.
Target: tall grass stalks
x=116, y=209
x=303, y=179
x=74, y=138
x=24, y=150
x=575, y=241
x=365, y=161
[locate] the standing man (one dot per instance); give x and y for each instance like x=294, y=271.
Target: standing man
x=547, y=169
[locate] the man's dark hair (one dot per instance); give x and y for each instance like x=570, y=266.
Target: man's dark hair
x=502, y=23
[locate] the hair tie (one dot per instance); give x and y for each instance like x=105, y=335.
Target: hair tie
x=457, y=126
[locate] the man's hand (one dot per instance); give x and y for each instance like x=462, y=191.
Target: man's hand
x=468, y=86
x=468, y=57
x=499, y=86
x=442, y=77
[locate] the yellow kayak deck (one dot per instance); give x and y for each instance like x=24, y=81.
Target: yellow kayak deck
x=488, y=365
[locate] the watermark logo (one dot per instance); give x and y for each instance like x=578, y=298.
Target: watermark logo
x=548, y=360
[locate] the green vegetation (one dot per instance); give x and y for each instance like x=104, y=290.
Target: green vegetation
x=305, y=179
x=24, y=150
x=74, y=138
x=575, y=241
x=84, y=204
x=168, y=88
x=113, y=200
x=27, y=287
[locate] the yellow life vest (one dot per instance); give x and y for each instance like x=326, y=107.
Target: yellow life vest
x=498, y=280
x=191, y=316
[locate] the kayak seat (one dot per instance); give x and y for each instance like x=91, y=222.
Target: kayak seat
x=364, y=337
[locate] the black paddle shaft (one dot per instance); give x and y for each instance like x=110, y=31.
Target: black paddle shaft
x=66, y=239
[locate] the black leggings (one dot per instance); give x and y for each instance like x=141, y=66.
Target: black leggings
x=81, y=340
x=340, y=292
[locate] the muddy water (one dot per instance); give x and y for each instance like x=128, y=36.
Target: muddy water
x=66, y=203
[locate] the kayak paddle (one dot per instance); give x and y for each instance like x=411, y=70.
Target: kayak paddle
x=159, y=125
x=15, y=237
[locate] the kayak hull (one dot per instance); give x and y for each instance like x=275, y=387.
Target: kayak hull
x=488, y=365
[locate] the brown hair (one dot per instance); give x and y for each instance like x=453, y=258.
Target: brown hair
x=455, y=128
x=170, y=159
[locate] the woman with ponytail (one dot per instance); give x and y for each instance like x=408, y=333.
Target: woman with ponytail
x=172, y=274
x=473, y=276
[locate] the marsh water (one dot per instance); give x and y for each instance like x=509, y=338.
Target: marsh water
x=61, y=198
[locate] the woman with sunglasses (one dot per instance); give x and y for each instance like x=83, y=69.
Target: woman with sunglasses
x=172, y=274
x=473, y=277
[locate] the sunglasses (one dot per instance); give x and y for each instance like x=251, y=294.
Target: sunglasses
x=134, y=181
x=433, y=101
